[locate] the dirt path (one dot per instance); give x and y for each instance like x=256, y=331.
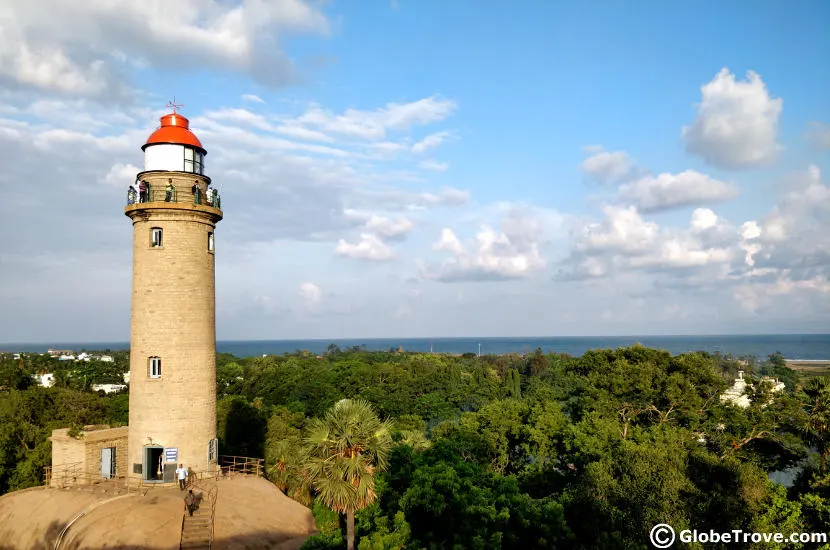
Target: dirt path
x=251, y=514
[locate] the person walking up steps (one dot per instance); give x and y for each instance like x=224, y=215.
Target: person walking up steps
x=181, y=472
x=190, y=502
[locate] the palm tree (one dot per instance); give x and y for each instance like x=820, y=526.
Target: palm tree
x=817, y=422
x=345, y=450
x=290, y=473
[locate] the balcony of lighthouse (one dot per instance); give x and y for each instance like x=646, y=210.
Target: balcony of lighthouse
x=173, y=192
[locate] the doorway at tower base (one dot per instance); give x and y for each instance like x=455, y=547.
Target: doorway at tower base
x=158, y=464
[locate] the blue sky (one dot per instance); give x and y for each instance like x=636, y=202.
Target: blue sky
x=430, y=168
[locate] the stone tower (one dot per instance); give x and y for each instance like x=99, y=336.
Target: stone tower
x=174, y=211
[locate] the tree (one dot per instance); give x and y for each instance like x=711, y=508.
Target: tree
x=345, y=450
x=816, y=427
x=514, y=384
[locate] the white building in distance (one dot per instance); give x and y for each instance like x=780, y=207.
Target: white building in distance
x=737, y=393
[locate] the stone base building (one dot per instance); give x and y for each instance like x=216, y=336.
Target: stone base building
x=93, y=454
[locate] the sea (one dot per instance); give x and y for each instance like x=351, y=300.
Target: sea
x=814, y=347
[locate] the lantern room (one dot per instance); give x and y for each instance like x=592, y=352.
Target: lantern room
x=173, y=147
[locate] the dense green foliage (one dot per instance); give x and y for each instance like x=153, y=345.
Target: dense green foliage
x=534, y=451
x=29, y=412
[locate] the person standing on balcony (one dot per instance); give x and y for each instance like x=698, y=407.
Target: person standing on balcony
x=131, y=195
x=168, y=192
x=196, y=191
x=142, y=191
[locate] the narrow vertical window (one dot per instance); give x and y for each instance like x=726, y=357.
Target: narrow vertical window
x=155, y=367
x=188, y=159
x=155, y=237
x=210, y=241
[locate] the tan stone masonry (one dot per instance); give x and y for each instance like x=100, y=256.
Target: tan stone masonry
x=173, y=318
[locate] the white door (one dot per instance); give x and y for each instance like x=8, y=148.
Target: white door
x=107, y=462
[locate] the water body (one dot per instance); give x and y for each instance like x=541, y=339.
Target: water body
x=792, y=346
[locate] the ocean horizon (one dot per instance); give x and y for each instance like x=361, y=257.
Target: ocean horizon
x=791, y=346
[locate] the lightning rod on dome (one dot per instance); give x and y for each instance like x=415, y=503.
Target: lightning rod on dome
x=173, y=105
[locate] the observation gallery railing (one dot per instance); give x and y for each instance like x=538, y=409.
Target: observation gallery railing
x=152, y=194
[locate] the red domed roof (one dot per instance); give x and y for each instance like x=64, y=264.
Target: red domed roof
x=174, y=129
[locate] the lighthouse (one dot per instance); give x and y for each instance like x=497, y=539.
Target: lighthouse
x=174, y=211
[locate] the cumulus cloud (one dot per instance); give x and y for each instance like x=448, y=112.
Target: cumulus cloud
x=736, y=124
x=607, y=167
x=85, y=49
x=310, y=292
x=512, y=252
x=781, y=260
x=795, y=235
x=665, y=191
x=818, y=135
x=624, y=241
x=389, y=227
x=370, y=247
x=121, y=175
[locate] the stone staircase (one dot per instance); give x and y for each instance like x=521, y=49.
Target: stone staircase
x=196, y=529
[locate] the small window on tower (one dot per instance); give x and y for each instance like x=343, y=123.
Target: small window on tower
x=210, y=241
x=155, y=367
x=155, y=237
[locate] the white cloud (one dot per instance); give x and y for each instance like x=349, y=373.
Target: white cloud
x=243, y=117
x=606, y=166
x=430, y=142
x=759, y=296
x=795, y=235
x=622, y=230
x=447, y=196
x=449, y=242
x=665, y=191
x=374, y=125
x=384, y=226
x=299, y=132
x=388, y=227
x=736, y=124
x=778, y=263
x=511, y=253
x=84, y=49
x=252, y=98
x=415, y=201
x=434, y=165
x=121, y=175
x=749, y=232
x=370, y=247
x=818, y=135
x=310, y=292
x=624, y=241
